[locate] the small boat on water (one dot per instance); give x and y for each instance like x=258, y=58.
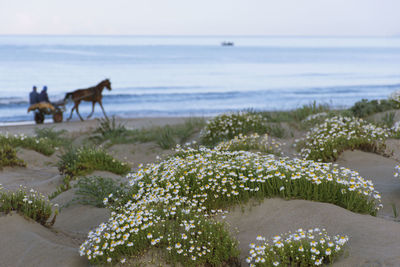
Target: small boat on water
x=227, y=44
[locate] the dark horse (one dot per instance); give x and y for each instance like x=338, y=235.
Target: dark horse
x=91, y=94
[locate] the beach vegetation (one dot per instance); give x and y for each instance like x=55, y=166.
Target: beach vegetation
x=42, y=145
x=64, y=186
x=276, y=130
x=328, y=140
x=252, y=142
x=227, y=126
x=388, y=119
x=172, y=203
x=169, y=136
x=296, y=115
x=84, y=160
x=56, y=138
x=166, y=137
x=111, y=131
x=364, y=108
x=394, y=209
x=8, y=157
x=31, y=204
x=312, y=247
x=93, y=190
x=395, y=130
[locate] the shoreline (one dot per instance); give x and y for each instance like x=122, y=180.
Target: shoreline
x=28, y=128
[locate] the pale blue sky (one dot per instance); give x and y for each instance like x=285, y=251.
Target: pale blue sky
x=202, y=17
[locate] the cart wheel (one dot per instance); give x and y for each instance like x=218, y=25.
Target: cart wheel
x=58, y=116
x=39, y=118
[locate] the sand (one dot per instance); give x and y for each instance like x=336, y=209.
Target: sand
x=374, y=241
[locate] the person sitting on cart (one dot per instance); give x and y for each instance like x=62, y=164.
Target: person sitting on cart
x=43, y=97
x=33, y=96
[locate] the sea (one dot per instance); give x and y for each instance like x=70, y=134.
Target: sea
x=157, y=76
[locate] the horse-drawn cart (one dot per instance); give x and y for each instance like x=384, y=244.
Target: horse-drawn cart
x=44, y=108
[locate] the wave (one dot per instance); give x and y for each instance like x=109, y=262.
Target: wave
x=175, y=93
x=7, y=101
x=379, y=91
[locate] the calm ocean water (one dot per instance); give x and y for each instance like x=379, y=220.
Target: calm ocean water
x=183, y=76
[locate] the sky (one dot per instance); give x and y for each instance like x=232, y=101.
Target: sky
x=201, y=17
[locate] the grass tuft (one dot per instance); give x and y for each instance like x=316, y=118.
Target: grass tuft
x=84, y=160
x=31, y=204
x=93, y=190
x=8, y=157
x=364, y=108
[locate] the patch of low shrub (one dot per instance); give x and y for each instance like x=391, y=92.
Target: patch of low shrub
x=95, y=190
x=253, y=142
x=55, y=138
x=364, y=108
x=84, y=160
x=172, y=203
x=326, y=141
x=8, y=157
x=312, y=247
x=227, y=126
x=31, y=204
x=296, y=115
x=167, y=136
x=41, y=145
x=110, y=130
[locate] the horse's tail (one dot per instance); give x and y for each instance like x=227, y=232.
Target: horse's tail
x=67, y=95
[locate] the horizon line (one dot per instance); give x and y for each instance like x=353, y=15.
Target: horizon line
x=199, y=35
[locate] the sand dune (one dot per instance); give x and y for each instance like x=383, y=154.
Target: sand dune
x=374, y=241
x=380, y=170
x=27, y=243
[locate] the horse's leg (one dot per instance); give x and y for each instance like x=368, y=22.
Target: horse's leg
x=101, y=105
x=72, y=110
x=77, y=111
x=90, y=115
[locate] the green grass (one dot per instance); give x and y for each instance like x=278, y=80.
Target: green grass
x=93, y=190
x=296, y=115
x=66, y=185
x=30, y=204
x=110, y=130
x=42, y=145
x=254, y=143
x=364, y=108
x=166, y=137
x=84, y=160
x=56, y=138
x=388, y=119
x=8, y=157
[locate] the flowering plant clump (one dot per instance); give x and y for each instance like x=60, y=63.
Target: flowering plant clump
x=173, y=202
x=253, y=142
x=397, y=171
x=395, y=96
x=8, y=157
x=316, y=116
x=326, y=141
x=31, y=204
x=227, y=126
x=311, y=247
x=41, y=145
x=395, y=130
x=84, y=160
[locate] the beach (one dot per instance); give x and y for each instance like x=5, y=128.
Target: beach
x=374, y=241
